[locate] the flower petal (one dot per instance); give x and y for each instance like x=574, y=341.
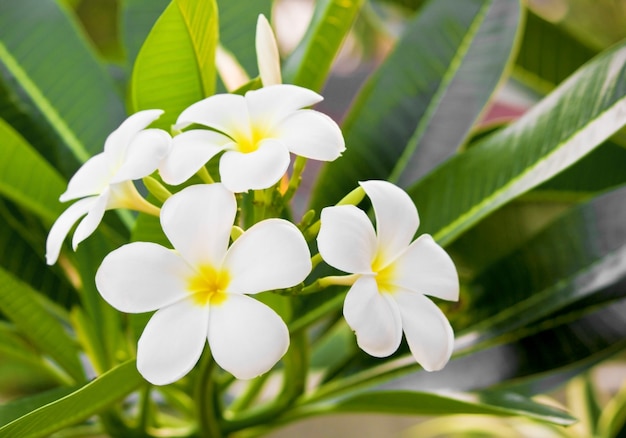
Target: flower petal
x=272, y=254
x=224, y=112
x=311, y=134
x=190, y=151
x=427, y=330
x=425, y=267
x=91, y=178
x=172, y=342
x=117, y=142
x=198, y=220
x=63, y=225
x=255, y=170
x=142, y=277
x=347, y=240
x=89, y=224
x=374, y=317
x=267, y=55
x=246, y=337
x=267, y=106
x=396, y=217
x=143, y=155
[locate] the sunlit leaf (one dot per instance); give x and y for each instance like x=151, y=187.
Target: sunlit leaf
x=176, y=64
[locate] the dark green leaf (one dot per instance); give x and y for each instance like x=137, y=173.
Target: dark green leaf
x=423, y=100
x=81, y=404
x=45, y=54
x=27, y=310
x=17, y=408
x=136, y=19
x=578, y=116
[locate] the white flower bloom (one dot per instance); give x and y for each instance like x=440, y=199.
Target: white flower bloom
x=257, y=131
x=393, y=276
x=200, y=289
x=105, y=180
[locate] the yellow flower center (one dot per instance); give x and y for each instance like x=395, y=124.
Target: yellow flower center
x=247, y=144
x=385, y=275
x=209, y=286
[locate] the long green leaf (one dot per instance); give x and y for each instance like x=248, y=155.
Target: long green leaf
x=47, y=56
x=136, y=19
x=26, y=178
x=176, y=65
x=569, y=123
x=81, y=404
x=17, y=408
x=416, y=403
x=423, y=100
x=310, y=62
x=548, y=54
x=26, y=309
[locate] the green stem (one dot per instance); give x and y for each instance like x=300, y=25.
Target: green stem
x=259, y=205
x=145, y=407
x=205, y=176
x=248, y=396
x=294, y=379
x=206, y=399
x=316, y=314
x=156, y=188
x=296, y=179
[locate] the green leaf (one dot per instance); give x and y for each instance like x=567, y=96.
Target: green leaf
x=421, y=103
x=47, y=56
x=550, y=137
x=27, y=310
x=16, y=408
x=575, y=256
x=427, y=403
x=81, y=404
x=238, y=29
x=176, y=65
x=26, y=178
x=548, y=54
x=310, y=62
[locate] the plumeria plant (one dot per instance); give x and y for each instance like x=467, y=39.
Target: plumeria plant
x=195, y=247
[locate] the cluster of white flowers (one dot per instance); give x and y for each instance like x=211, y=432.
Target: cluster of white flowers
x=199, y=288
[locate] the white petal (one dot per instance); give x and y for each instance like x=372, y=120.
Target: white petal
x=225, y=112
x=374, y=317
x=311, y=134
x=246, y=337
x=198, y=220
x=347, y=240
x=427, y=330
x=63, y=225
x=117, y=142
x=425, y=267
x=256, y=170
x=172, y=342
x=91, y=179
x=396, y=217
x=267, y=55
x=142, y=277
x=90, y=222
x=190, y=151
x=143, y=155
x=267, y=106
x=272, y=254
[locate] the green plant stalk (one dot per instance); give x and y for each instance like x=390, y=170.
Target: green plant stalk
x=248, y=396
x=294, y=379
x=316, y=314
x=206, y=398
x=296, y=178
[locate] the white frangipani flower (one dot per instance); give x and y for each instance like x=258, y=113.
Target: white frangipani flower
x=105, y=180
x=200, y=288
x=392, y=275
x=257, y=133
